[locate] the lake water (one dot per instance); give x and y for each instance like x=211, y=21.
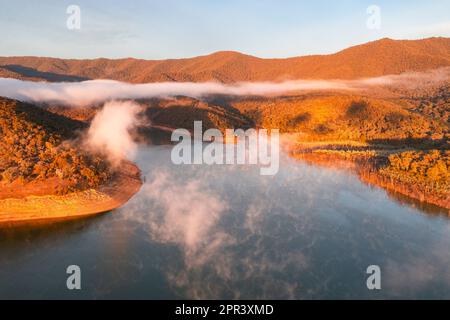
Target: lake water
x=222, y=232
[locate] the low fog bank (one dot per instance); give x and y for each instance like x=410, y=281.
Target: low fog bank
x=110, y=132
x=98, y=91
x=411, y=80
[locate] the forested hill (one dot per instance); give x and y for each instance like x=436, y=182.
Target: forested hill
x=35, y=146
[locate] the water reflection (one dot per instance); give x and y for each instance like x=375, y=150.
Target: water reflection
x=227, y=232
x=426, y=208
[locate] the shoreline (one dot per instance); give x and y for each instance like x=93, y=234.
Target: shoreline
x=126, y=183
x=369, y=174
x=112, y=195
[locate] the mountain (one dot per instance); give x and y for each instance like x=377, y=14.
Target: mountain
x=377, y=58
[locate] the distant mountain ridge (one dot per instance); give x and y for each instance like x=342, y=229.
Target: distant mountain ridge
x=377, y=58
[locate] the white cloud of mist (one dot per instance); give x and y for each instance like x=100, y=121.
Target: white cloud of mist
x=109, y=132
x=239, y=235
x=110, y=129
x=410, y=80
x=98, y=91
x=183, y=214
x=191, y=214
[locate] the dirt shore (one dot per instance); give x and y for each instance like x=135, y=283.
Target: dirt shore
x=105, y=198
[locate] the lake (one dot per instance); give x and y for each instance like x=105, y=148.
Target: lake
x=226, y=232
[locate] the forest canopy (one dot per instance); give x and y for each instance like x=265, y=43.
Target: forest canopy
x=35, y=145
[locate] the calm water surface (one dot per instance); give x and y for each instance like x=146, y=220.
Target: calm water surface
x=227, y=232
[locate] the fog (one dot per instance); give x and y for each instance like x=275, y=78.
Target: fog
x=92, y=92
x=232, y=226
x=110, y=131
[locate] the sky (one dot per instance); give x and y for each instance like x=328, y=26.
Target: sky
x=160, y=29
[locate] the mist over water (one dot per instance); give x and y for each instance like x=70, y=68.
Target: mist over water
x=228, y=232
x=110, y=131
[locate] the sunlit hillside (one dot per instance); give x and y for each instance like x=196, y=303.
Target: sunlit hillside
x=343, y=117
x=36, y=155
x=378, y=58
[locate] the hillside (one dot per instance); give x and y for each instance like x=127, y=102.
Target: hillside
x=378, y=58
x=35, y=157
x=343, y=117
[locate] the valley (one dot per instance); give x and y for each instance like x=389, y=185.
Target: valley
x=393, y=134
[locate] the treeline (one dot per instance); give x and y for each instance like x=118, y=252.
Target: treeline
x=428, y=168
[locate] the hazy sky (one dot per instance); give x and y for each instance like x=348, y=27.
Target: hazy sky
x=155, y=29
